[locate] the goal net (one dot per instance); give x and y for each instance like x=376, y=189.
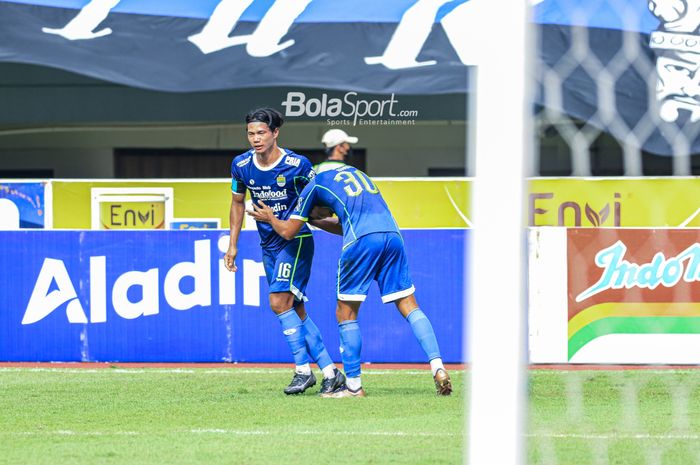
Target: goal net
x=586, y=252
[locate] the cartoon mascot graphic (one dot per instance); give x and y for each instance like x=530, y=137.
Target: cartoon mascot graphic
x=677, y=45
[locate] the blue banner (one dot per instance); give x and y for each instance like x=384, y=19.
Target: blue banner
x=195, y=45
x=28, y=200
x=164, y=296
x=641, y=56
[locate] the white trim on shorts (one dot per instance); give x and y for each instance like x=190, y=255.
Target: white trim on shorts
x=397, y=295
x=352, y=297
x=297, y=293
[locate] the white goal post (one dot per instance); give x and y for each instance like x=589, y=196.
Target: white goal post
x=501, y=147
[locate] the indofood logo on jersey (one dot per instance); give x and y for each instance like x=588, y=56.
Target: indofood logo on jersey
x=644, y=282
x=677, y=42
x=56, y=286
x=268, y=194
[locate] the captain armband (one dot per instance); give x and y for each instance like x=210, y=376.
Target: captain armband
x=237, y=186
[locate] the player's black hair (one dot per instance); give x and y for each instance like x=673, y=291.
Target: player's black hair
x=269, y=116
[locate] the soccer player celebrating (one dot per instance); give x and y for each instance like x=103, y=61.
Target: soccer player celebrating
x=372, y=250
x=277, y=176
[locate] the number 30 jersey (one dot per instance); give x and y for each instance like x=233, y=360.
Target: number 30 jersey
x=278, y=186
x=353, y=197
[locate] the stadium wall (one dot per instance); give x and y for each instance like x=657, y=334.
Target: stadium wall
x=164, y=296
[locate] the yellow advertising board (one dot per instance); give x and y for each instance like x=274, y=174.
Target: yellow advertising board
x=614, y=202
x=74, y=200
x=131, y=207
x=415, y=203
x=440, y=203
x=428, y=203
x=132, y=213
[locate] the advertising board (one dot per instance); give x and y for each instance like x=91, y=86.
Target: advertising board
x=24, y=205
x=165, y=296
x=615, y=295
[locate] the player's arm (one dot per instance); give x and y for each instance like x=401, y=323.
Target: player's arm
x=331, y=225
x=236, y=223
x=287, y=229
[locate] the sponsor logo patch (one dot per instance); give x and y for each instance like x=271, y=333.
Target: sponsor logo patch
x=292, y=161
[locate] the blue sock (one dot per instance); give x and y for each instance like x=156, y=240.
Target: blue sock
x=351, y=346
x=423, y=330
x=314, y=344
x=294, y=333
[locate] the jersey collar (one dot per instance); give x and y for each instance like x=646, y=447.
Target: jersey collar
x=283, y=153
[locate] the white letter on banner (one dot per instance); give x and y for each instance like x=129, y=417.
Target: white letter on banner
x=9, y=215
x=81, y=27
x=462, y=28
x=148, y=305
x=200, y=270
x=275, y=25
x=410, y=36
x=42, y=302
x=252, y=272
x=261, y=43
x=227, y=279
x=215, y=35
x=227, y=285
x=98, y=289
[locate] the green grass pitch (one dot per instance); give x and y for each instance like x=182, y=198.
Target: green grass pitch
x=240, y=416
x=222, y=416
x=620, y=417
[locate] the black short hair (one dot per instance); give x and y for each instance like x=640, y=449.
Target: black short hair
x=269, y=116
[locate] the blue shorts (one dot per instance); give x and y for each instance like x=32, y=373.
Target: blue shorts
x=288, y=269
x=375, y=257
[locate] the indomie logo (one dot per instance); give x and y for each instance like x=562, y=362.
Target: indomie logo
x=576, y=211
x=618, y=273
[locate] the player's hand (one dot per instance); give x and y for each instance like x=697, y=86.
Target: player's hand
x=261, y=212
x=230, y=258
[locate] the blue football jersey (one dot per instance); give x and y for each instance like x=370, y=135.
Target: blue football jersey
x=278, y=186
x=353, y=197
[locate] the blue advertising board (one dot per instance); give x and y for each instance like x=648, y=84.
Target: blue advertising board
x=28, y=198
x=165, y=296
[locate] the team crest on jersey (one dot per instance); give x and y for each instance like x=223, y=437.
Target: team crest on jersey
x=242, y=163
x=252, y=181
x=281, y=180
